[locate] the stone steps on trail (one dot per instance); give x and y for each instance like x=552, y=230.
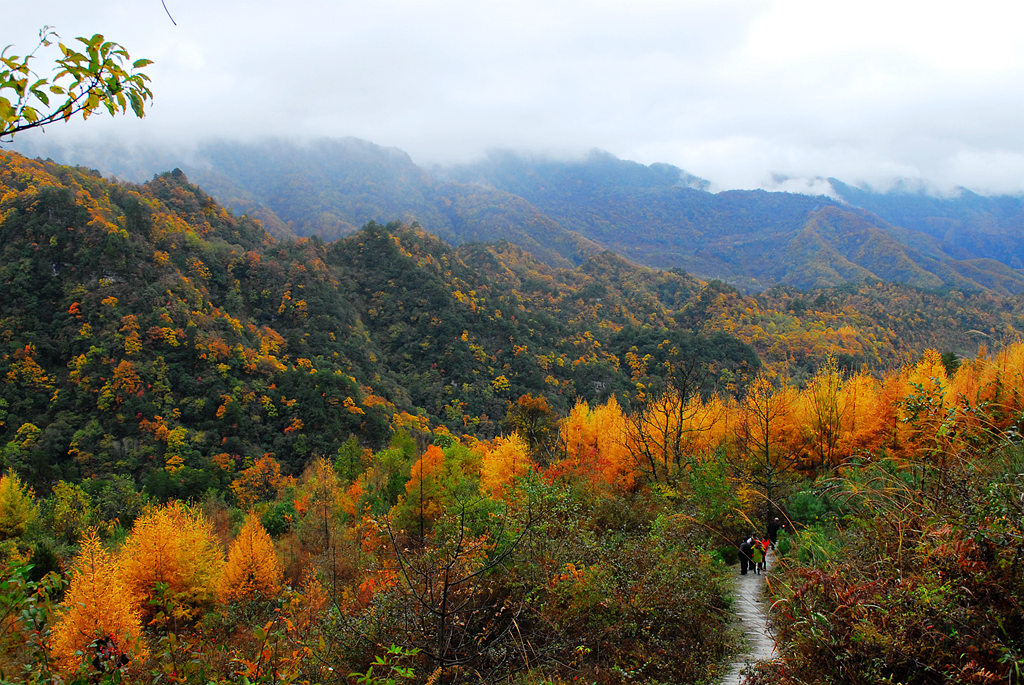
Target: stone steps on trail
x=750, y=609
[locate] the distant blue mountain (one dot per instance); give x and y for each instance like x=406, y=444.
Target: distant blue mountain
x=967, y=224
x=566, y=210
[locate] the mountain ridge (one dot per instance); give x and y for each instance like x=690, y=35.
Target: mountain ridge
x=657, y=215
x=148, y=330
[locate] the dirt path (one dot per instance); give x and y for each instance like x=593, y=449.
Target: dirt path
x=750, y=608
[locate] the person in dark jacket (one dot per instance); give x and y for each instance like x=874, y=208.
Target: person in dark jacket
x=773, y=531
x=746, y=550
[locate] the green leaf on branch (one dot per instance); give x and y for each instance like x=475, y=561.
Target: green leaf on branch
x=99, y=77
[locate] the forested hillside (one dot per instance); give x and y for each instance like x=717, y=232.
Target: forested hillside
x=135, y=313
x=565, y=211
x=968, y=224
x=232, y=458
x=128, y=303
x=661, y=216
x=333, y=187
x=131, y=302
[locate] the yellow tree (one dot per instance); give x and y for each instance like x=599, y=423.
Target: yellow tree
x=667, y=418
x=595, y=445
x=72, y=511
x=864, y=422
x=765, y=460
x=321, y=500
x=926, y=407
x=610, y=441
x=929, y=411
x=503, y=461
x=17, y=508
x=320, y=505
x=987, y=393
x=172, y=550
x=665, y=433
x=886, y=412
x=253, y=570
x=101, y=621
x=999, y=384
x=823, y=411
x=965, y=388
x=580, y=440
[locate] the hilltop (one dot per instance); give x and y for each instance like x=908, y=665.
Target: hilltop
x=564, y=211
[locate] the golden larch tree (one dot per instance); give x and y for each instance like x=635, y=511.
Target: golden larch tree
x=864, y=420
x=595, y=446
x=99, y=609
x=820, y=411
x=319, y=505
x=765, y=455
x=172, y=547
x=999, y=380
x=253, y=571
x=505, y=460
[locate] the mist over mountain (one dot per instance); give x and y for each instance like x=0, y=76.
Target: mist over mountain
x=563, y=211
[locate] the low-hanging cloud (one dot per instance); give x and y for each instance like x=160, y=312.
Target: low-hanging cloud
x=740, y=93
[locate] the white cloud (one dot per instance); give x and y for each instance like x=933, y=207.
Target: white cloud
x=730, y=90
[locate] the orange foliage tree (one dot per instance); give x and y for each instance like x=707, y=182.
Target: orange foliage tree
x=423, y=490
x=864, y=417
x=253, y=570
x=172, y=549
x=100, y=611
x=988, y=392
x=258, y=482
x=595, y=445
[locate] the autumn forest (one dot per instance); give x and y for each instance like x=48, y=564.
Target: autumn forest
x=233, y=458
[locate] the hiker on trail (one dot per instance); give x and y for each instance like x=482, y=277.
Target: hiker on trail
x=764, y=544
x=746, y=548
x=758, y=556
x=773, y=531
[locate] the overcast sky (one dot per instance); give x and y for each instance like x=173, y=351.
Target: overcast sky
x=735, y=91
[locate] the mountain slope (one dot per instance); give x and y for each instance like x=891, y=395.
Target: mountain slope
x=657, y=215
x=967, y=224
x=329, y=188
x=842, y=246
x=754, y=239
x=146, y=330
